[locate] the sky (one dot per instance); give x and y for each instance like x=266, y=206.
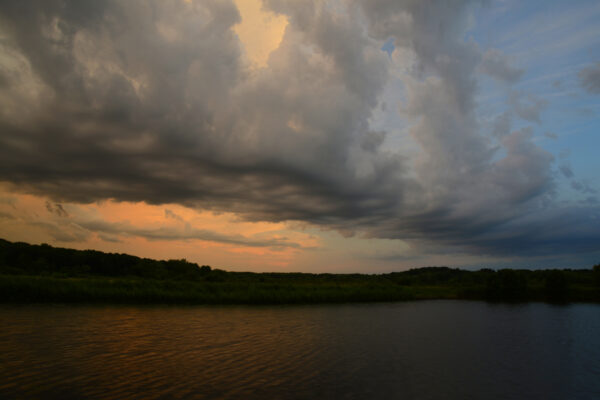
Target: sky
x=315, y=136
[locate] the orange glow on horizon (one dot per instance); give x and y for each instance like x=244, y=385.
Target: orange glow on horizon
x=165, y=231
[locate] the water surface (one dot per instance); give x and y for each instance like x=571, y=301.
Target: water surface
x=411, y=350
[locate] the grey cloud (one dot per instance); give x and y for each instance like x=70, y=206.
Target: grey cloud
x=56, y=209
x=170, y=214
x=558, y=84
x=496, y=65
x=172, y=129
x=577, y=185
x=591, y=200
x=501, y=124
x=586, y=112
x=583, y=187
x=551, y=135
x=466, y=192
x=5, y=215
x=109, y=238
x=566, y=171
x=372, y=140
x=569, y=230
x=528, y=107
x=62, y=232
x=153, y=101
x=9, y=201
x=589, y=78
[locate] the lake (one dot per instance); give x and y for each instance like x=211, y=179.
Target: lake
x=410, y=350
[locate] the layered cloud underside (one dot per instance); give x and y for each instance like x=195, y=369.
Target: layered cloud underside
x=158, y=102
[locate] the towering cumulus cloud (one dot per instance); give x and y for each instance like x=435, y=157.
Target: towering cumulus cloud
x=156, y=101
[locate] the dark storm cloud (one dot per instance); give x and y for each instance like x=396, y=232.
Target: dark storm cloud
x=153, y=101
x=127, y=124
x=570, y=230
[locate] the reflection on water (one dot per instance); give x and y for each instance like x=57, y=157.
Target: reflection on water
x=420, y=350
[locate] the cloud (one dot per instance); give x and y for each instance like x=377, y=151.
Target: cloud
x=579, y=186
x=589, y=78
x=172, y=215
x=168, y=233
x=501, y=124
x=496, y=65
x=5, y=215
x=566, y=171
x=528, y=107
x=156, y=102
x=56, y=209
x=62, y=232
x=583, y=187
x=109, y=238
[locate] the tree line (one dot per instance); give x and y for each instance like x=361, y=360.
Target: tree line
x=22, y=259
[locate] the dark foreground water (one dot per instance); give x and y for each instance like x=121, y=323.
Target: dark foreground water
x=413, y=350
